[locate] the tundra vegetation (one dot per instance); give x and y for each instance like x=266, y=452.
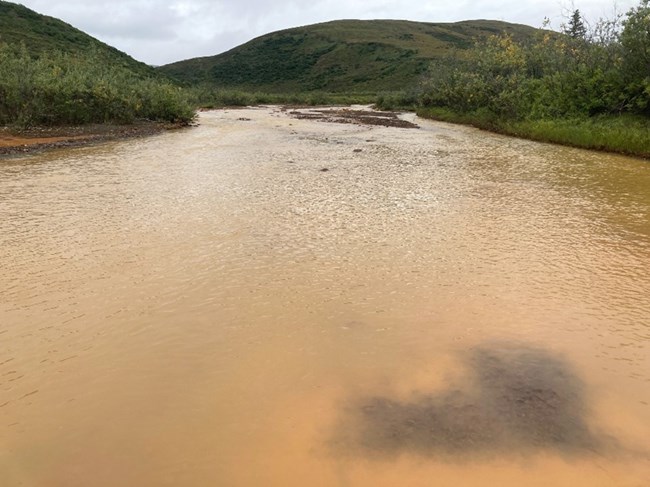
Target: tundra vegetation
x=59, y=88
x=588, y=85
x=341, y=56
x=54, y=74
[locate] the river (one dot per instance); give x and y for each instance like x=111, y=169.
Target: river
x=264, y=300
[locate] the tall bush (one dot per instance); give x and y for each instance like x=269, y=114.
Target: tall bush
x=579, y=72
x=57, y=88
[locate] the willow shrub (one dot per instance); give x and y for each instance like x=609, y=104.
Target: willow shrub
x=579, y=73
x=209, y=96
x=63, y=89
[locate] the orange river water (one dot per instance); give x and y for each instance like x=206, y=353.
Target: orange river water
x=208, y=307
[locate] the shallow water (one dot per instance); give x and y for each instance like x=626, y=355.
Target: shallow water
x=208, y=307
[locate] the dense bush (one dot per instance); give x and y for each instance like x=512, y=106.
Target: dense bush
x=576, y=73
x=59, y=89
x=209, y=96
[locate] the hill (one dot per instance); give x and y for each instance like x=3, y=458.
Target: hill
x=338, y=56
x=43, y=34
x=52, y=74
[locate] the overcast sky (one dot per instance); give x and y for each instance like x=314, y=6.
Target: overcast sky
x=163, y=31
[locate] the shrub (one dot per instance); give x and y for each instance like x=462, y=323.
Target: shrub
x=64, y=89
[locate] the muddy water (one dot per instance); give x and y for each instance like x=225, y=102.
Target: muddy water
x=441, y=306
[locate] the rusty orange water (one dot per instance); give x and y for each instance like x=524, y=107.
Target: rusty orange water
x=441, y=307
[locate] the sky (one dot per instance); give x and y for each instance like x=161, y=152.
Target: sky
x=163, y=31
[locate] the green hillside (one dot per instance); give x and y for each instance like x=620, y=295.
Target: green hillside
x=343, y=55
x=40, y=33
x=53, y=74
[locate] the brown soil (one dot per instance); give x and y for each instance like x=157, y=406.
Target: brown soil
x=361, y=117
x=42, y=138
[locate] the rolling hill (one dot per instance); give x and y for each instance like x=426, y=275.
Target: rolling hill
x=339, y=56
x=40, y=33
x=52, y=74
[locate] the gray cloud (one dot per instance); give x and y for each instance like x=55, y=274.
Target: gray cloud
x=163, y=31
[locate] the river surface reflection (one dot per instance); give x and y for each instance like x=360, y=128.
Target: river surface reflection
x=442, y=306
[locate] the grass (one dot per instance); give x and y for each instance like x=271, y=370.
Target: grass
x=624, y=134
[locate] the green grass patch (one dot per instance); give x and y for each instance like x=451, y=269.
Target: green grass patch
x=398, y=100
x=625, y=134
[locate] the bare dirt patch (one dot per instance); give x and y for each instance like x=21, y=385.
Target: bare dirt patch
x=42, y=138
x=360, y=117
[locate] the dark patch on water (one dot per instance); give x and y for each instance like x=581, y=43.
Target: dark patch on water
x=517, y=400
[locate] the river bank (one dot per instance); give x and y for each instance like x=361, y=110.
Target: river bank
x=624, y=134
x=36, y=139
